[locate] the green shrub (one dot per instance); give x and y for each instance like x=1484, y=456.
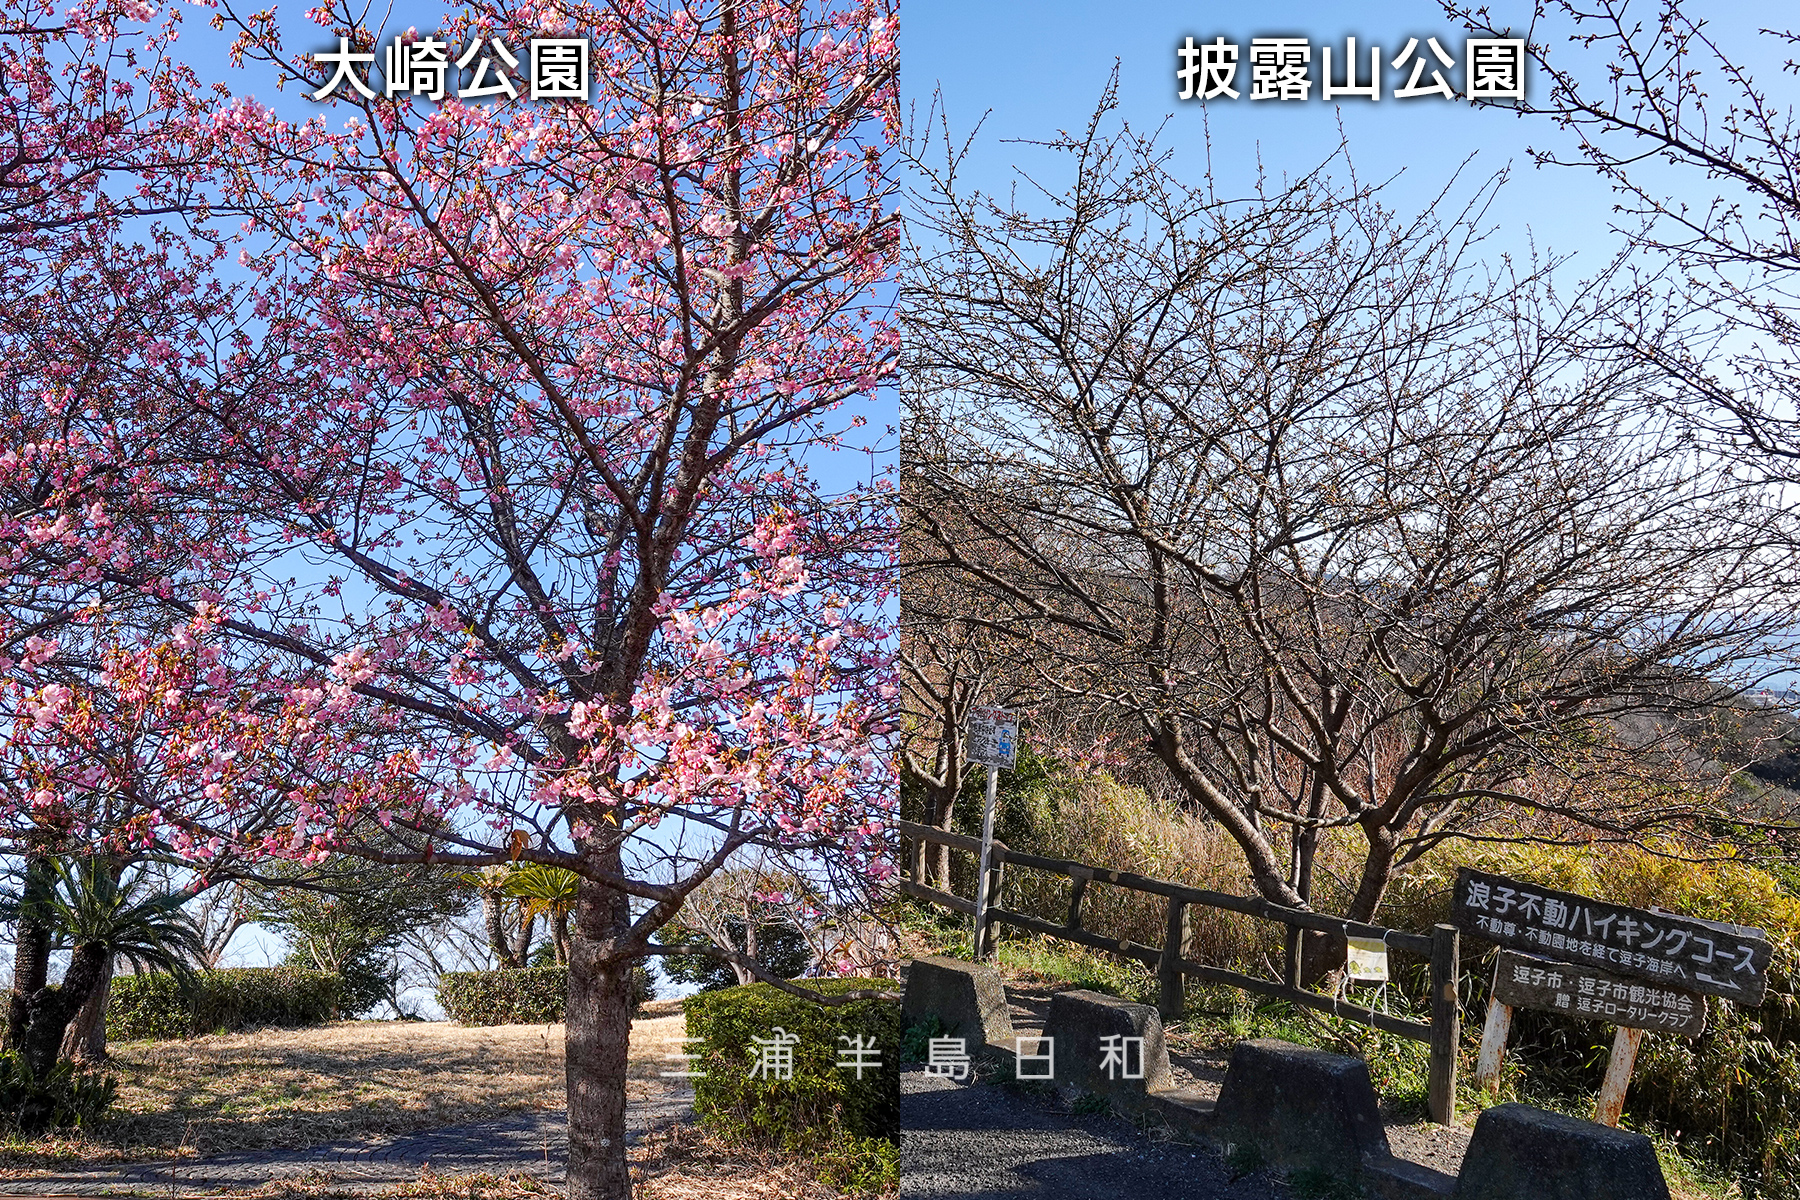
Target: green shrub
x=65, y=1099
x=850, y=1126
x=531, y=996
x=162, y=1006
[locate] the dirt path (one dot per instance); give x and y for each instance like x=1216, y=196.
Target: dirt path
x=534, y=1143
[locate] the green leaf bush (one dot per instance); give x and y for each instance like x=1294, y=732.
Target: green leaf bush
x=159, y=1005
x=530, y=996
x=850, y=1127
x=67, y=1098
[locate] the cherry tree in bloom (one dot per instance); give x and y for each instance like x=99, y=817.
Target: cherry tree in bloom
x=89, y=115
x=519, y=535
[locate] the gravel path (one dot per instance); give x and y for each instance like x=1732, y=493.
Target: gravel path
x=975, y=1141
x=1416, y=1140
x=535, y=1142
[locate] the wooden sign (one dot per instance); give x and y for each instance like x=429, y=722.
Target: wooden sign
x=1667, y=950
x=1580, y=991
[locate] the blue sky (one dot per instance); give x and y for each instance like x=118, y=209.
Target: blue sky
x=1033, y=68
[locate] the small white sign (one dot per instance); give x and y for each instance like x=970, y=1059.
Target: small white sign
x=1367, y=959
x=993, y=737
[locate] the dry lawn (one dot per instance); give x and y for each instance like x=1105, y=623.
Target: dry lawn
x=352, y=1079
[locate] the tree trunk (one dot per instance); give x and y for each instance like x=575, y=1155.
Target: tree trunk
x=521, y=952
x=744, y=974
x=52, y=1008
x=597, y=1035
x=1377, y=873
x=1267, y=872
x=86, y=1039
x=31, y=954
x=495, y=918
x=940, y=867
x=945, y=807
x=559, y=937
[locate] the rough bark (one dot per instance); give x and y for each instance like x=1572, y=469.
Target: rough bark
x=493, y=912
x=943, y=804
x=86, y=1038
x=52, y=1008
x=31, y=956
x=521, y=947
x=597, y=1035
x=559, y=937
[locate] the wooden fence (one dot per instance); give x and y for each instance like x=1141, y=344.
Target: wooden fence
x=1173, y=967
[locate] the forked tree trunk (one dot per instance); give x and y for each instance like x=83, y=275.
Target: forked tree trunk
x=51, y=1009
x=86, y=1039
x=597, y=1036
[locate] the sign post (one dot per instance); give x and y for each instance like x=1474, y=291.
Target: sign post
x=1634, y=968
x=992, y=738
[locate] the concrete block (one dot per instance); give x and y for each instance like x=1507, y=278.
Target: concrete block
x=1300, y=1108
x=1524, y=1153
x=1081, y=1023
x=967, y=997
x=1398, y=1179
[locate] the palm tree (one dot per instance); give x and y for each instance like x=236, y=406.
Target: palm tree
x=547, y=892
x=491, y=883
x=95, y=911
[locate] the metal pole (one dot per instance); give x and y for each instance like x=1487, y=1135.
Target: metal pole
x=982, y=899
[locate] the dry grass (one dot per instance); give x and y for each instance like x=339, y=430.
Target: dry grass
x=302, y=1087
x=686, y=1163
x=1107, y=824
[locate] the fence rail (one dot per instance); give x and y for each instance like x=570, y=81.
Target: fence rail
x=1173, y=966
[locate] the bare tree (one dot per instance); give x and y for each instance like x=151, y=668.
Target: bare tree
x=948, y=665
x=1356, y=533
x=218, y=914
x=1640, y=95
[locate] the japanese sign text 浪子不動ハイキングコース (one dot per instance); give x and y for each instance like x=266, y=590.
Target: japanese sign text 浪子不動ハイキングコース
x=1684, y=953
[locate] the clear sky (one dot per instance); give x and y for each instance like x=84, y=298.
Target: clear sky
x=1033, y=68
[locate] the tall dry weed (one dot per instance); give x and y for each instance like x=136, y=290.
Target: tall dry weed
x=1094, y=819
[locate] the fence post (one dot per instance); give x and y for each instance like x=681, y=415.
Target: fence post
x=1446, y=1024
x=1178, y=937
x=1291, y=973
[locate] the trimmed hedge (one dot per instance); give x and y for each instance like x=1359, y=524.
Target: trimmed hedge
x=527, y=996
x=852, y=1125
x=162, y=1006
